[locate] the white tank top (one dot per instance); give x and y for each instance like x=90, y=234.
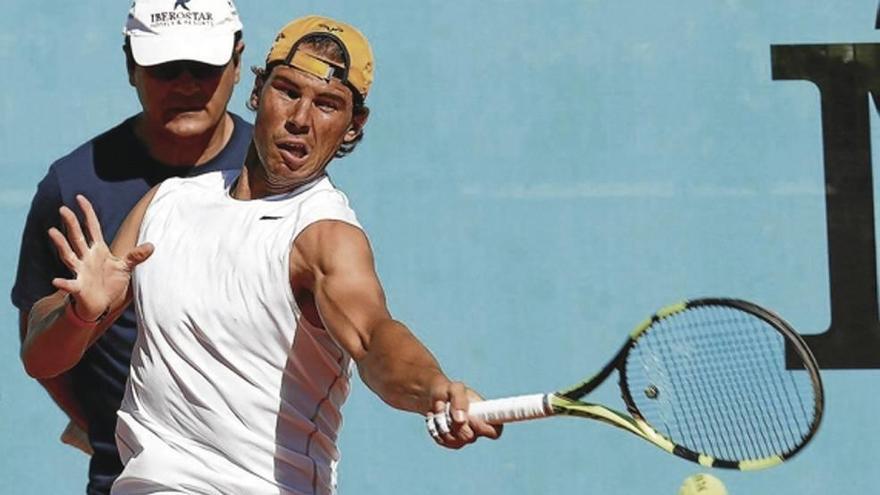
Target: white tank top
x=231, y=389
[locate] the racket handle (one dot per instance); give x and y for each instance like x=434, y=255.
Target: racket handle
x=510, y=409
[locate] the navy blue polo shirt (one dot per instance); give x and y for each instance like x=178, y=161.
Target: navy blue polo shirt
x=113, y=170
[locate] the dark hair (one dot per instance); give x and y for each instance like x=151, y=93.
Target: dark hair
x=129, y=58
x=328, y=47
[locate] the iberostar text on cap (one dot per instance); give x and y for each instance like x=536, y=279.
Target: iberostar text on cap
x=167, y=30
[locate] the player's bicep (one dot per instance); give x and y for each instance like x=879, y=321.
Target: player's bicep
x=334, y=261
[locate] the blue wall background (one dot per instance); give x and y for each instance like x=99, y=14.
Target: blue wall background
x=537, y=177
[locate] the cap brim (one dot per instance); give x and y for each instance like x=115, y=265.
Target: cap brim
x=214, y=49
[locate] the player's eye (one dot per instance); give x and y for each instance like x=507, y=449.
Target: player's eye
x=327, y=106
x=287, y=91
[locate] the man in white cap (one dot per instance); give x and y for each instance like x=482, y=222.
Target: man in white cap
x=259, y=297
x=183, y=58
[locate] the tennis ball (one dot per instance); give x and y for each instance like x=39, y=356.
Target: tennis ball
x=702, y=484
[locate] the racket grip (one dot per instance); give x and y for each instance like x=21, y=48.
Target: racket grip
x=510, y=409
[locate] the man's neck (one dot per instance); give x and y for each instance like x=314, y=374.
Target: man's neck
x=190, y=151
x=254, y=184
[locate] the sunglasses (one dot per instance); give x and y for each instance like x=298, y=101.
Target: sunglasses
x=170, y=71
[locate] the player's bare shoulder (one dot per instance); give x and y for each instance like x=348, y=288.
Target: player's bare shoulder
x=327, y=246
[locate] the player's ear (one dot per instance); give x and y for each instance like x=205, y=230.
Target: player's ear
x=260, y=76
x=358, y=121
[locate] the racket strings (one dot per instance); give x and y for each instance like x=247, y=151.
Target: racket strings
x=799, y=418
x=788, y=431
x=659, y=378
x=760, y=430
x=754, y=395
x=703, y=400
x=748, y=425
x=711, y=404
x=769, y=428
x=720, y=384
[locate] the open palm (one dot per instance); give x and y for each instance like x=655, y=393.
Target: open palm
x=101, y=279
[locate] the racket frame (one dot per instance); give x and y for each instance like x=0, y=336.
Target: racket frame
x=566, y=402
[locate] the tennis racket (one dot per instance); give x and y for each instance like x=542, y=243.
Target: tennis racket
x=704, y=379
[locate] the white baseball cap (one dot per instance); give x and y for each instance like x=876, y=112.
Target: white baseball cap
x=167, y=30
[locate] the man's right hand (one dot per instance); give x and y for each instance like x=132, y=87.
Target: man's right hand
x=101, y=279
x=61, y=326
x=450, y=401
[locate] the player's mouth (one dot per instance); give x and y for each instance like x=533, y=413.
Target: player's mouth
x=293, y=152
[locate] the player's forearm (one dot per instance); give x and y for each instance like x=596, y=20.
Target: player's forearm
x=55, y=339
x=60, y=387
x=399, y=368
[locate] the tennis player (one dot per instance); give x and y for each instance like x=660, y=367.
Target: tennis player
x=255, y=293
x=184, y=74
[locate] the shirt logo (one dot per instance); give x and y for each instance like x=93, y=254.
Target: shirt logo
x=181, y=3
x=270, y=217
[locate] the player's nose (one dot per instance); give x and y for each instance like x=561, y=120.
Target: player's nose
x=298, y=118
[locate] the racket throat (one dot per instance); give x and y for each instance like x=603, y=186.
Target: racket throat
x=584, y=388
